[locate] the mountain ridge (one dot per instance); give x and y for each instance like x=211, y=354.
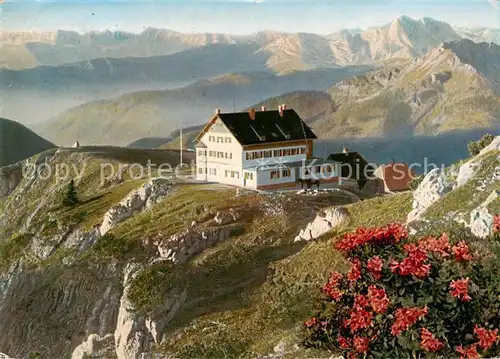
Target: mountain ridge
x=18, y=142
x=452, y=87
x=404, y=37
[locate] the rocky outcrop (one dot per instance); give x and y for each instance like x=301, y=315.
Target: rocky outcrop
x=131, y=334
x=324, y=222
x=152, y=192
x=10, y=177
x=481, y=220
x=81, y=240
x=95, y=347
x=438, y=183
x=135, y=333
x=433, y=187
x=61, y=305
x=180, y=246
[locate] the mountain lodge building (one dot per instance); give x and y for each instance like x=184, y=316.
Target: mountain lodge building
x=264, y=150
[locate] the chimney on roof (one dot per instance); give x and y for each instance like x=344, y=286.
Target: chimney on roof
x=263, y=108
x=217, y=111
x=345, y=150
x=280, y=109
x=251, y=113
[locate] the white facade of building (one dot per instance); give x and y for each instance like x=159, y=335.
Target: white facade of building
x=221, y=158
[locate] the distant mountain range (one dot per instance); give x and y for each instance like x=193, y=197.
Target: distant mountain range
x=428, y=77
x=124, y=119
x=17, y=142
x=403, y=38
x=30, y=49
x=453, y=87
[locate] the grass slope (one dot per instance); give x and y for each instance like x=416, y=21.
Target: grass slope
x=18, y=142
x=251, y=295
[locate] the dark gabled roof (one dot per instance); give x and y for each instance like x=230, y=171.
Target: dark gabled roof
x=268, y=126
x=352, y=159
x=348, y=168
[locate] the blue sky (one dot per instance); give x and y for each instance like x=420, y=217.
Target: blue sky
x=237, y=17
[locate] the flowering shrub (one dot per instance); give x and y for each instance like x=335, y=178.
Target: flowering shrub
x=432, y=296
x=496, y=224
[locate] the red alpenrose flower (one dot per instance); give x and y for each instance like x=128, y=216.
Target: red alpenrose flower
x=429, y=341
x=406, y=317
x=389, y=234
x=359, y=319
x=413, y=264
x=486, y=337
x=344, y=343
x=440, y=247
x=378, y=299
x=355, y=272
x=496, y=223
x=361, y=344
x=461, y=252
x=374, y=266
x=311, y=322
x=360, y=302
x=459, y=289
x=331, y=288
x=469, y=352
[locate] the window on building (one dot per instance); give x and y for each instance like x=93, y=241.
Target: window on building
x=228, y=139
x=268, y=154
x=327, y=169
x=286, y=152
x=274, y=174
x=230, y=155
x=248, y=175
x=212, y=171
x=286, y=172
x=200, y=171
x=302, y=150
x=317, y=169
x=235, y=174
